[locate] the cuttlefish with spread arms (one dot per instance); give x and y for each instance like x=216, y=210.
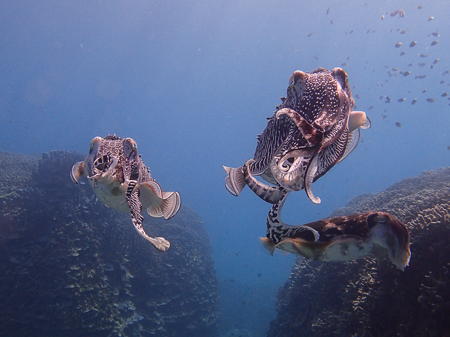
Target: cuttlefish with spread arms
x=341, y=238
x=314, y=128
x=121, y=180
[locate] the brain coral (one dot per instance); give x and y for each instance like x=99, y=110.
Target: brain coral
x=366, y=298
x=72, y=267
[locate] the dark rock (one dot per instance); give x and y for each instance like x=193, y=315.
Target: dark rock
x=72, y=267
x=366, y=298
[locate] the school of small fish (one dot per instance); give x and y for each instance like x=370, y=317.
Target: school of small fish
x=419, y=59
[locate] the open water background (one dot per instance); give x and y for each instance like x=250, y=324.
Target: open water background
x=192, y=83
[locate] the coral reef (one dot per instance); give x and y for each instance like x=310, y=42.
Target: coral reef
x=72, y=267
x=369, y=298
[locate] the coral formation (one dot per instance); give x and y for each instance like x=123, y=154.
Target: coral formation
x=366, y=298
x=72, y=267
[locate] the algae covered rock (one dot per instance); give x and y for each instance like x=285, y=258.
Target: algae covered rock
x=369, y=298
x=72, y=267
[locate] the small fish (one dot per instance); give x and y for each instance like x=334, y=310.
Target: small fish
x=395, y=69
x=402, y=53
x=430, y=100
x=343, y=64
x=331, y=21
x=447, y=71
x=414, y=101
x=431, y=18
x=434, y=43
x=435, y=61
x=422, y=64
x=419, y=7
x=444, y=94
x=328, y=10
x=383, y=116
x=357, y=96
x=442, y=82
x=398, y=45
x=448, y=147
x=388, y=100
x=382, y=18
x=420, y=76
x=423, y=55
x=400, y=100
x=412, y=44
x=397, y=124
x=410, y=65
x=400, y=13
x=403, y=32
x=370, y=107
x=310, y=34
x=435, y=34
x=424, y=91
x=406, y=73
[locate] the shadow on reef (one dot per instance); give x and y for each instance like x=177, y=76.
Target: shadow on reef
x=72, y=267
x=366, y=298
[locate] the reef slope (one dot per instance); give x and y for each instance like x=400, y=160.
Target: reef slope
x=72, y=267
x=367, y=298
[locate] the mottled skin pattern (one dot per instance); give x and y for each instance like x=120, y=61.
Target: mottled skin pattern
x=307, y=135
x=121, y=180
x=341, y=238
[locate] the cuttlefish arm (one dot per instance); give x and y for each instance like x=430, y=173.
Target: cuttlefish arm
x=135, y=207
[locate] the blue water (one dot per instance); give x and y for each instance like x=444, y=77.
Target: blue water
x=192, y=83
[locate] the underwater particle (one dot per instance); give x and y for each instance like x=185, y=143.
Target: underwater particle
x=420, y=76
x=435, y=61
x=419, y=7
x=435, y=34
x=398, y=45
x=343, y=64
x=414, y=101
x=410, y=65
x=383, y=116
x=400, y=100
x=397, y=124
x=402, y=53
x=431, y=18
x=434, y=43
x=421, y=64
x=310, y=34
x=448, y=147
x=424, y=91
x=430, y=100
x=412, y=44
x=444, y=94
x=403, y=32
x=357, y=96
x=328, y=10
x=423, y=55
x=400, y=13
x=388, y=100
x=406, y=73
x=259, y=275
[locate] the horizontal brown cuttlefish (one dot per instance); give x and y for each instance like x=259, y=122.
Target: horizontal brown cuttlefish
x=341, y=238
x=121, y=180
x=314, y=128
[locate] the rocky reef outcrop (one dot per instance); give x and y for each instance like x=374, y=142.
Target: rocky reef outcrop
x=72, y=267
x=368, y=298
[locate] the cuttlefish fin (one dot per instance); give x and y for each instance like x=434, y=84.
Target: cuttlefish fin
x=235, y=181
x=268, y=244
x=77, y=171
x=162, y=204
x=307, y=249
x=136, y=217
x=353, y=140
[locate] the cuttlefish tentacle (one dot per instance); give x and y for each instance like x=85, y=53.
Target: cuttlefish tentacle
x=278, y=231
x=270, y=194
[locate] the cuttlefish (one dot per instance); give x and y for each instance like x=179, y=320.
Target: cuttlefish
x=342, y=238
x=314, y=128
x=121, y=180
